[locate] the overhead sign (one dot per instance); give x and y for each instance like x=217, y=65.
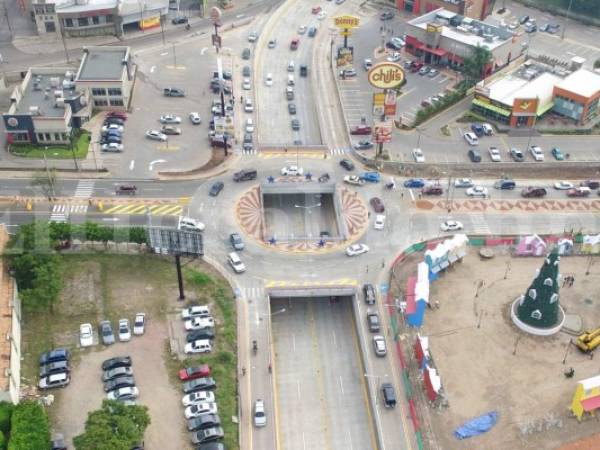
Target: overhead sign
x=346, y=22
x=169, y=241
x=386, y=75
x=345, y=56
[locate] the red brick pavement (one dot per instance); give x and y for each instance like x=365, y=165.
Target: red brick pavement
x=520, y=205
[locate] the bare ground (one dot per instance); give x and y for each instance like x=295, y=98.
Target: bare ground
x=487, y=364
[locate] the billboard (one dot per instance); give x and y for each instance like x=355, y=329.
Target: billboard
x=346, y=22
x=345, y=56
x=382, y=132
x=389, y=104
x=386, y=75
x=378, y=104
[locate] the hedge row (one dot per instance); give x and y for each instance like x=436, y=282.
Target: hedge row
x=450, y=99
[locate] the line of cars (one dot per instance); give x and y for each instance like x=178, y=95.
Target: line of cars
x=118, y=380
x=111, y=139
x=124, y=330
x=200, y=329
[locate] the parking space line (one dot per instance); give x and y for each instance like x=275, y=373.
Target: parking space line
x=412, y=196
x=443, y=80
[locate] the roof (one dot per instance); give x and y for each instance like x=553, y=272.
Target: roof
x=102, y=64
x=70, y=6
x=581, y=82
x=506, y=90
x=38, y=91
x=590, y=383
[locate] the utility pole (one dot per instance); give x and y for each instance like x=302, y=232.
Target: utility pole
x=562, y=35
x=7, y=18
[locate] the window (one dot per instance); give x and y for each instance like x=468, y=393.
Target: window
x=40, y=136
x=47, y=136
x=39, y=9
x=50, y=28
x=96, y=20
x=100, y=102
x=82, y=21
x=116, y=103
x=57, y=136
x=68, y=23
x=50, y=9
x=23, y=137
x=109, y=19
x=64, y=136
x=98, y=91
x=114, y=91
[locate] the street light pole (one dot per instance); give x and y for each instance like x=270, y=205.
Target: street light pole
x=562, y=36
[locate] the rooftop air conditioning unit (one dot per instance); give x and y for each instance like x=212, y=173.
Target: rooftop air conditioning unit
x=69, y=75
x=58, y=93
x=54, y=82
x=60, y=103
x=36, y=86
x=35, y=111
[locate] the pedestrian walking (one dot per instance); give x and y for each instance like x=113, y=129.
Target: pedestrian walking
x=383, y=263
x=565, y=280
x=572, y=280
x=270, y=368
x=401, y=194
x=367, y=269
x=243, y=371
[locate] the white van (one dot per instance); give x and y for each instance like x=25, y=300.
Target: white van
x=290, y=80
x=189, y=224
x=471, y=138
x=236, y=263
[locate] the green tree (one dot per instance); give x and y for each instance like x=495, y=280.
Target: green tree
x=475, y=63
x=113, y=427
x=539, y=305
x=30, y=429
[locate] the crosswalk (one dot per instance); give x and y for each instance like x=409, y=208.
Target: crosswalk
x=169, y=209
x=84, y=188
x=479, y=224
x=253, y=293
x=305, y=154
x=60, y=213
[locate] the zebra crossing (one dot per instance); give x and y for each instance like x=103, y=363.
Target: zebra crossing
x=60, y=213
x=253, y=293
x=479, y=224
x=305, y=154
x=84, y=188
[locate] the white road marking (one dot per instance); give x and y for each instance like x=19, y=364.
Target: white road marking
x=203, y=50
x=299, y=396
x=164, y=53
x=152, y=69
x=341, y=385
x=131, y=164
x=412, y=196
x=110, y=219
x=156, y=161
x=334, y=340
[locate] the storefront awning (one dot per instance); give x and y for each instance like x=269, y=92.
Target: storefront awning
x=433, y=51
x=545, y=108
x=494, y=108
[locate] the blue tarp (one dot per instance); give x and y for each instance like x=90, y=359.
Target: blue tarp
x=476, y=426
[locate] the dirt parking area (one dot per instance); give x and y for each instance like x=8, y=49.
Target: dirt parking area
x=487, y=364
x=98, y=287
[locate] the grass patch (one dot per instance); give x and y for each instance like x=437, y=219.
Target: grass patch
x=445, y=130
x=80, y=146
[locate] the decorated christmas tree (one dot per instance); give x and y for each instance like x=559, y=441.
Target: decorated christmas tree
x=539, y=306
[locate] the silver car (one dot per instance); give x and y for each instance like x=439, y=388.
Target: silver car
x=106, y=332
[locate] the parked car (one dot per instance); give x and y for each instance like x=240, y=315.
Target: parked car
x=86, y=335
x=356, y=249
x=495, y=154
x=203, y=422
x=55, y=367
x=379, y=223
x=119, y=382
x=195, y=311
x=517, y=155
x=246, y=53
x=303, y=70
x=59, y=354
x=200, y=333
x=112, y=147
x=471, y=138
x=377, y=204
x=139, y=324
x=216, y=188
x=260, y=418
x=418, y=155
x=195, y=118
x=207, y=435
x=196, y=323
x=295, y=124
x=55, y=380
x=191, y=373
x=112, y=127
x=292, y=170
x=124, y=393
x=170, y=129
x=197, y=409
x=173, y=92
x=123, y=371
x=451, y=225
x=536, y=152
x=533, y=192
x=117, y=361
x=124, y=330
x=198, y=397
x=199, y=384
x=477, y=128
x=361, y=130
x=199, y=346
x=156, y=135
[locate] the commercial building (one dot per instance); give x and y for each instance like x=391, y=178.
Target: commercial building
x=51, y=102
x=475, y=9
x=522, y=96
x=73, y=18
x=447, y=38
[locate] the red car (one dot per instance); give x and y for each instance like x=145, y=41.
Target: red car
x=192, y=373
x=583, y=191
x=361, y=129
x=416, y=66
x=120, y=115
x=316, y=9
x=377, y=205
x=432, y=190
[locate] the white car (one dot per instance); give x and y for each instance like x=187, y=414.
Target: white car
x=292, y=170
x=112, y=147
x=195, y=311
x=418, y=155
x=394, y=57
x=199, y=322
x=269, y=79
x=111, y=127
x=198, y=397
x=139, y=324
x=246, y=85
x=356, y=249
x=367, y=64
x=125, y=393
x=124, y=330
x=199, y=346
x=156, y=135
x=195, y=118
x=379, y=345
x=487, y=129
x=379, y=222
x=253, y=36
x=321, y=15
x=248, y=105
x=86, y=335
x=477, y=191
x=451, y=225
x=187, y=223
x=354, y=179
x=170, y=118
x=272, y=43
x=471, y=138
x=302, y=29
x=536, y=152
x=495, y=154
x=563, y=185
x=249, y=125
x=200, y=408
x=260, y=418
x=463, y=183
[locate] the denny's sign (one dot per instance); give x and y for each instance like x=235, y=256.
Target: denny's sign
x=346, y=22
x=386, y=75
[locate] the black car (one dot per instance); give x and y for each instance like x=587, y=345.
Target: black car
x=386, y=15
x=292, y=108
x=54, y=367
x=295, y=124
x=227, y=75
x=173, y=92
x=393, y=45
x=474, y=156
x=117, y=361
x=58, y=442
x=119, y=382
x=246, y=71
x=389, y=395
x=212, y=446
x=199, y=384
x=179, y=20
x=216, y=188
x=369, y=292
x=59, y=354
x=347, y=164
x=111, y=139
x=204, y=421
x=524, y=19
x=312, y=31
x=202, y=333
x=303, y=70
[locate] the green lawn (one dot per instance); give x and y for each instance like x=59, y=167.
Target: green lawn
x=36, y=151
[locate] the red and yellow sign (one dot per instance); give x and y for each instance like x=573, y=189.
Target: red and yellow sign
x=386, y=75
x=382, y=132
x=525, y=105
x=434, y=28
x=346, y=22
x=151, y=22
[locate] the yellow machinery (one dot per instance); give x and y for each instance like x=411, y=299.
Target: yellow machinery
x=589, y=340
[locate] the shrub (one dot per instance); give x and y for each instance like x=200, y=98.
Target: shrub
x=30, y=429
x=6, y=410
x=2, y=441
